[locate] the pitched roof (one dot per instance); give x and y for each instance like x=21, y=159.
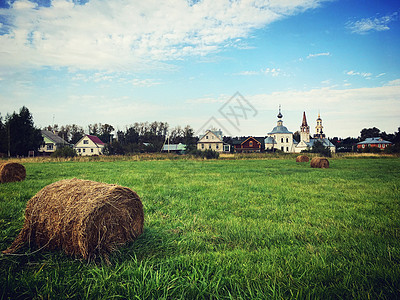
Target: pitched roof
x=95, y=139
x=238, y=141
x=53, y=137
x=325, y=142
x=217, y=133
x=374, y=140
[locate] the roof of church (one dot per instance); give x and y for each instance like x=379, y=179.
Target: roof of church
x=304, y=123
x=326, y=142
x=279, y=129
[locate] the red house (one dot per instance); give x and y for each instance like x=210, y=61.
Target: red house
x=376, y=142
x=249, y=144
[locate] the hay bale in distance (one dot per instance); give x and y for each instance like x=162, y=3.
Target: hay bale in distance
x=10, y=172
x=302, y=158
x=81, y=217
x=319, y=162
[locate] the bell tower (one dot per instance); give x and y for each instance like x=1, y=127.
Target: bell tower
x=319, y=134
x=304, y=130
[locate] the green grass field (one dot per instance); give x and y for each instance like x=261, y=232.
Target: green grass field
x=225, y=229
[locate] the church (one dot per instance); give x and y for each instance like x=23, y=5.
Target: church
x=281, y=138
x=305, y=139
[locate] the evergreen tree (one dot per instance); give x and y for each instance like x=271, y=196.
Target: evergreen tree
x=3, y=138
x=22, y=135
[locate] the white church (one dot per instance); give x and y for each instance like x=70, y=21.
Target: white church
x=281, y=138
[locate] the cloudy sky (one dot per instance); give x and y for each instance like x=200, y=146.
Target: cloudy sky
x=183, y=62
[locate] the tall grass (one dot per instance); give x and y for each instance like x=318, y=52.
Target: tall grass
x=225, y=229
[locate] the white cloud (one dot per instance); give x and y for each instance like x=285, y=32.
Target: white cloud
x=267, y=71
x=318, y=54
x=248, y=73
x=362, y=74
x=144, y=82
x=368, y=25
x=395, y=82
x=272, y=71
x=131, y=35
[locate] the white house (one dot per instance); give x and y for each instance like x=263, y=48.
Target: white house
x=89, y=145
x=213, y=140
x=280, y=137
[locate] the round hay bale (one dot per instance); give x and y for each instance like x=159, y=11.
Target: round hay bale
x=302, y=158
x=319, y=162
x=81, y=217
x=10, y=172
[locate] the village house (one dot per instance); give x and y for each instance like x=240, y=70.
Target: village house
x=374, y=142
x=213, y=140
x=89, y=145
x=51, y=142
x=248, y=144
x=306, y=142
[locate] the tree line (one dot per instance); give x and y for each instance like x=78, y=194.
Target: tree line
x=18, y=136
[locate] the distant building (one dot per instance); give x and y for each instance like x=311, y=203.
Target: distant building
x=248, y=144
x=174, y=148
x=89, y=145
x=212, y=140
x=375, y=142
x=280, y=137
x=51, y=142
x=306, y=142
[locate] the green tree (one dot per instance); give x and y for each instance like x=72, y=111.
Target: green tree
x=369, y=133
x=189, y=140
x=22, y=134
x=319, y=148
x=3, y=138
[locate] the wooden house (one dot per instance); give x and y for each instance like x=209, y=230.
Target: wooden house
x=89, y=145
x=51, y=142
x=248, y=144
x=212, y=140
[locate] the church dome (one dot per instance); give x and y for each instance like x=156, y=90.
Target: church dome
x=280, y=129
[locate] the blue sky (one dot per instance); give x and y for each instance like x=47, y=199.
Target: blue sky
x=121, y=62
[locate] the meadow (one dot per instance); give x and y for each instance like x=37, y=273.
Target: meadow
x=224, y=229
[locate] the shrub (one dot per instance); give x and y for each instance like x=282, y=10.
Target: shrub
x=65, y=151
x=209, y=154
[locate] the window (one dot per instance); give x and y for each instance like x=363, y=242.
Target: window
x=209, y=146
x=217, y=146
x=282, y=148
x=49, y=146
x=251, y=143
x=281, y=140
x=207, y=137
x=91, y=150
x=363, y=145
x=85, y=142
x=287, y=149
x=287, y=140
x=202, y=146
x=83, y=150
x=212, y=137
x=79, y=150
